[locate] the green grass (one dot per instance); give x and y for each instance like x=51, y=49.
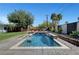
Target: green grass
x=4, y=36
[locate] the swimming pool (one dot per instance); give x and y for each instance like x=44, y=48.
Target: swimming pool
x=39, y=39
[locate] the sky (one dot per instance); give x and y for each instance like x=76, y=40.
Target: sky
x=70, y=12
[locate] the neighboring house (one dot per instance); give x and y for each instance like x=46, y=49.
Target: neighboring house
x=2, y=28
x=68, y=28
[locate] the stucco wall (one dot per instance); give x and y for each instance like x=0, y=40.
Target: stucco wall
x=64, y=29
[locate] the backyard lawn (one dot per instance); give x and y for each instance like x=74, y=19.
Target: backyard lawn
x=4, y=36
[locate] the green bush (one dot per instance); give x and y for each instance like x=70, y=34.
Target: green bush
x=10, y=27
x=52, y=30
x=74, y=34
x=59, y=30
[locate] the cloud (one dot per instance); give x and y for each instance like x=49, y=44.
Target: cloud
x=4, y=20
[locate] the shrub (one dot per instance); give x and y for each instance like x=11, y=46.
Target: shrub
x=52, y=30
x=10, y=27
x=74, y=34
x=59, y=30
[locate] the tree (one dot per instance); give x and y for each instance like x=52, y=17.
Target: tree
x=55, y=20
x=21, y=18
x=44, y=25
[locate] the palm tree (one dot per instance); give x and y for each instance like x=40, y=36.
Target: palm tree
x=55, y=20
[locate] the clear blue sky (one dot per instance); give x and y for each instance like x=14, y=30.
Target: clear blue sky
x=70, y=12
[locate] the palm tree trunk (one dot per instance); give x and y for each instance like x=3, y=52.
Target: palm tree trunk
x=56, y=26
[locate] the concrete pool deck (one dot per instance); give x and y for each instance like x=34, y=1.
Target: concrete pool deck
x=6, y=45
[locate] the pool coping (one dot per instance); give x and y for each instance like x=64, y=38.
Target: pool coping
x=16, y=46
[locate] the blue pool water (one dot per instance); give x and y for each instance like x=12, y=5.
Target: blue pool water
x=38, y=40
